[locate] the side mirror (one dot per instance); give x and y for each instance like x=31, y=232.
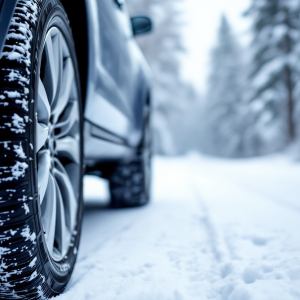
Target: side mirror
x=141, y=25
x=120, y=3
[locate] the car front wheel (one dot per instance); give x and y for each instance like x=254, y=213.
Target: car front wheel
x=41, y=157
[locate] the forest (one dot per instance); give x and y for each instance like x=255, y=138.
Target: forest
x=250, y=105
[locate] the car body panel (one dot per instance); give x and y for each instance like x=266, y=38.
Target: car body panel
x=110, y=147
x=116, y=89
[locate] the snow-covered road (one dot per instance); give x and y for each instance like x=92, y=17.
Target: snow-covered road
x=215, y=229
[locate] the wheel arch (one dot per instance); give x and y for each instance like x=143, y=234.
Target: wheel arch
x=77, y=14
x=76, y=11
x=7, y=8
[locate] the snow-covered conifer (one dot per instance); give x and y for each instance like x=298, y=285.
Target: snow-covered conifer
x=224, y=112
x=275, y=72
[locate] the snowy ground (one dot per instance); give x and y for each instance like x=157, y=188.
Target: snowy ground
x=216, y=229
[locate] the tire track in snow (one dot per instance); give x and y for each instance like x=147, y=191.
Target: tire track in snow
x=214, y=234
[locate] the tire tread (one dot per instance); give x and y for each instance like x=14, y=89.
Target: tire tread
x=22, y=274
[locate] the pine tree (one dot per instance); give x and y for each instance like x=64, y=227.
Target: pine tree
x=276, y=28
x=225, y=108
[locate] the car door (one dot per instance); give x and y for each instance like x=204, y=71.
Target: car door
x=107, y=105
x=132, y=79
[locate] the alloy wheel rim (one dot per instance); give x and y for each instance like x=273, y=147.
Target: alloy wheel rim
x=58, y=144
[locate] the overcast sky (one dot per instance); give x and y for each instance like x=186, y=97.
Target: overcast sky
x=204, y=19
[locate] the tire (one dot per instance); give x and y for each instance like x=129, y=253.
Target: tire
x=41, y=157
x=130, y=181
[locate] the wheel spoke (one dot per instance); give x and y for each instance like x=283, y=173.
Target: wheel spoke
x=68, y=147
x=48, y=209
x=67, y=82
x=42, y=132
x=68, y=119
x=43, y=172
x=62, y=235
x=67, y=192
x=51, y=70
x=58, y=55
x=43, y=107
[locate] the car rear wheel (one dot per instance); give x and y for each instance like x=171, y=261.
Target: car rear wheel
x=41, y=157
x=130, y=181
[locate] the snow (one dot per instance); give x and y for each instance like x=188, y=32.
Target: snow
x=28, y=235
x=19, y=151
x=19, y=123
x=4, y=250
x=16, y=171
x=26, y=208
x=215, y=229
x=33, y=275
x=12, y=94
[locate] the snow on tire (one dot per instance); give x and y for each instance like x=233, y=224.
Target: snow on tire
x=31, y=266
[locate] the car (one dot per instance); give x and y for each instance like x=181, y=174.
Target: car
x=74, y=99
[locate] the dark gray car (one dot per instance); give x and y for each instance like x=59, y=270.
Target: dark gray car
x=72, y=101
